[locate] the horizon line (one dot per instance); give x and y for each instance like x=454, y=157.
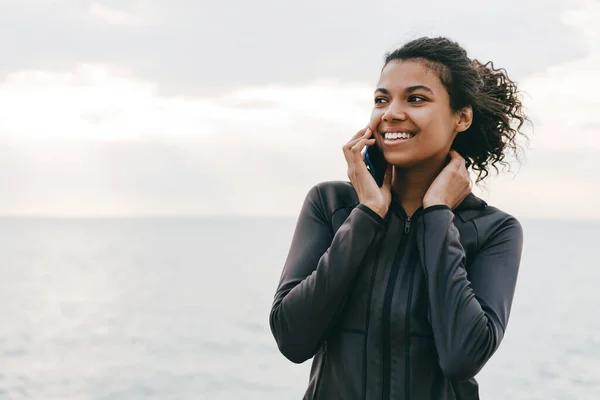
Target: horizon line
x=231, y=216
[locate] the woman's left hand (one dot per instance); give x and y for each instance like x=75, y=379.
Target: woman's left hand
x=451, y=186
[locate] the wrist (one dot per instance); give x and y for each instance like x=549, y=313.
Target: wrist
x=378, y=209
x=433, y=202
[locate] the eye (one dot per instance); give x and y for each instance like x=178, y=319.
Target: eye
x=416, y=99
x=379, y=100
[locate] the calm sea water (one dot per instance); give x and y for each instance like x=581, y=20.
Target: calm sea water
x=178, y=309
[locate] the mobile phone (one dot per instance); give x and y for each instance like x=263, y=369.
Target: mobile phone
x=376, y=163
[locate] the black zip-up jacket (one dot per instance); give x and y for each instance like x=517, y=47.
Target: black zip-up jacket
x=395, y=307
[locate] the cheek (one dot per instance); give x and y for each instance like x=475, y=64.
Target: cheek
x=376, y=116
x=432, y=126
x=424, y=118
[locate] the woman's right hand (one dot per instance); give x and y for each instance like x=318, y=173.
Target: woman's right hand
x=369, y=194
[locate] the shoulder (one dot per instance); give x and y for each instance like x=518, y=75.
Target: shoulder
x=333, y=195
x=489, y=221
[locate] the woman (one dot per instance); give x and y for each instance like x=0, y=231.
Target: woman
x=404, y=291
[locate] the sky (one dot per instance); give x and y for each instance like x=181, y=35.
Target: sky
x=197, y=108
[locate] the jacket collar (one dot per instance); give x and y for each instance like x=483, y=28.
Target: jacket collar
x=471, y=202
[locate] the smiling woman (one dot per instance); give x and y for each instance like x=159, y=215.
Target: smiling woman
x=467, y=87
x=402, y=289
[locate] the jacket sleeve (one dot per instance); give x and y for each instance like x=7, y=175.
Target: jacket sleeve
x=317, y=274
x=468, y=314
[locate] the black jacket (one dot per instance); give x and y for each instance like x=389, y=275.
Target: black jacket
x=395, y=308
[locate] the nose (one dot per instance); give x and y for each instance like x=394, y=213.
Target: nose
x=394, y=112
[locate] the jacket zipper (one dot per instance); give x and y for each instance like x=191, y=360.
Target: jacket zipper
x=407, y=225
x=387, y=310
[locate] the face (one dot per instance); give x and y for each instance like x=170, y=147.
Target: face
x=412, y=120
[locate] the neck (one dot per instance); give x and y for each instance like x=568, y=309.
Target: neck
x=411, y=184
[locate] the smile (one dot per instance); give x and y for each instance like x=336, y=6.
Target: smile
x=398, y=135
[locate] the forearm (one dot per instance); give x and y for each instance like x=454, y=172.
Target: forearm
x=468, y=325
x=305, y=306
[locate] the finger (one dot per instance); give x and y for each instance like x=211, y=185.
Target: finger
x=457, y=159
x=353, y=142
x=455, y=156
x=357, y=148
x=357, y=144
x=368, y=133
x=360, y=133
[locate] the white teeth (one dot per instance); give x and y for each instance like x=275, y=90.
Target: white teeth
x=398, y=135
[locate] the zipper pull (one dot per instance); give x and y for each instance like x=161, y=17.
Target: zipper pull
x=407, y=225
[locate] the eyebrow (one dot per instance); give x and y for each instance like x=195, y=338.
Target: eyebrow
x=408, y=90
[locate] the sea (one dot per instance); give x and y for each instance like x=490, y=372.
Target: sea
x=178, y=308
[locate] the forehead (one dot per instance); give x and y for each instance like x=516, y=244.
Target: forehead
x=398, y=75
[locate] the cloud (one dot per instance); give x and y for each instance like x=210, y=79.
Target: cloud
x=553, y=184
x=134, y=178
x=564, y=99
x=199, y=49
x=114, y=16
x=101, y=139
x=148, y=178
x=584, y=19
x=105, y=103
x=95, y=102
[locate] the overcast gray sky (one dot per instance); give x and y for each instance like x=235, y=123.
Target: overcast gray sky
x=234, y=107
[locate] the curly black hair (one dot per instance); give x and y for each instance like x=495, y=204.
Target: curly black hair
x=498, y=114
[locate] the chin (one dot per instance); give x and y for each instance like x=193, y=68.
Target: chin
x=402, y=160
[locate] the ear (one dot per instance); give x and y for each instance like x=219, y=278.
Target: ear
x=465, y=118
